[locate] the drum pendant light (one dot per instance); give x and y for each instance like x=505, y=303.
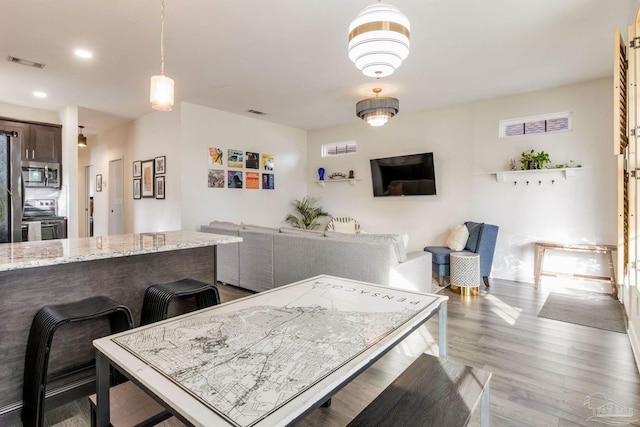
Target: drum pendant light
x=377, y=110
x=161, y=86
x=379, y=40
x=82, y=140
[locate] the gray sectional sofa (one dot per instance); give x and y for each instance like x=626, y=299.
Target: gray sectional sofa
x=270, y=257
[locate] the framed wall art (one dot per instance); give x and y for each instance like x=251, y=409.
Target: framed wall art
x=137, y=169
x=159, y=187
x=136, y=188
x=160, y=165
x=99, y=182
x=148, y=182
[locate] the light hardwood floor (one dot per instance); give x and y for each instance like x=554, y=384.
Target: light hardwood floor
x=543, y=370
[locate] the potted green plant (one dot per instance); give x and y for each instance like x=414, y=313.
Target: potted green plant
x=533, y=160
x=306, y=214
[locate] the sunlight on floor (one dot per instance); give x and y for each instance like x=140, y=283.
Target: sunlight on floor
x=503, y=310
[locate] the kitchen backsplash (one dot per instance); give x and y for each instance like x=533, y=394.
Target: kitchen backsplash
x=60, y=195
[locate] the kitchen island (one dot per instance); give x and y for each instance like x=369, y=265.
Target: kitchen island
x=35, y=274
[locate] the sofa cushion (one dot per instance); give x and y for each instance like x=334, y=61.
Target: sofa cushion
x=258, y=228
x=457, y=238
x=439, y=254
x=475, y=232
x=290, y=230
x=395, y=239
x=225, y=225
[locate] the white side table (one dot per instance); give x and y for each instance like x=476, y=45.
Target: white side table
x=465, y=273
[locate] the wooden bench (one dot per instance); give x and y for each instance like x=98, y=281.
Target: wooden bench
x=430, y=392
x=131, y=407
x=542, y=247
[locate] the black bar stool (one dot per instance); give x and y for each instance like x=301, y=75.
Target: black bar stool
x=43, y=326
x=157, y=298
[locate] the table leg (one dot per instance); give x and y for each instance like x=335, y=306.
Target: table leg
x=327, y=404
x=612, y=274
x=102, y=390
x=484, y=406
x=538, y=264
x=442, y=333
x=215, y=264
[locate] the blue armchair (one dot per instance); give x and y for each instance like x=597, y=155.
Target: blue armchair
x=482, y=240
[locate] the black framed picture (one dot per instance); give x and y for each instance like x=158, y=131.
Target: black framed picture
x=137, y=190
x=160, y=187
x=161, y=165
x=148, y=182
x=137, y=169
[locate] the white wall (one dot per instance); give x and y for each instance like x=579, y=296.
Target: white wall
x=205, y=127
x=29, y=114
x=184, y=136
x=154, y=135
x=466, y=147
x=114, y=144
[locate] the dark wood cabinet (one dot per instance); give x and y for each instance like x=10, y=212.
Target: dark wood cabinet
x=40, y=142
x=21, y=128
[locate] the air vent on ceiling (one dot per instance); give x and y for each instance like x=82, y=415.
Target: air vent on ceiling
x=25, y=62
x=259, y=113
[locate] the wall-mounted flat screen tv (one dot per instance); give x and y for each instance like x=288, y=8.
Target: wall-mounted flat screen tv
x=410, y=175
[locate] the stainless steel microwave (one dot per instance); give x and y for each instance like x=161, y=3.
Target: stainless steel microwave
x=38, y=174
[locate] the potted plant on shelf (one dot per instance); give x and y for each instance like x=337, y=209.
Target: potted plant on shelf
x=306, y=214
x=533, y=160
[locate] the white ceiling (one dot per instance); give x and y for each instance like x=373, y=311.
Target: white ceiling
x=288, y=58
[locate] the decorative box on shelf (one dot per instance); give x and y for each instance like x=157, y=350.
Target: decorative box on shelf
x=566, y=173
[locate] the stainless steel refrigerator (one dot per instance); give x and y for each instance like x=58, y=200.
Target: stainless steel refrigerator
x=11, y=191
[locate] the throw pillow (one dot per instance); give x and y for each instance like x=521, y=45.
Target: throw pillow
x=345, y=227
x=475, y=234
x=457, y=238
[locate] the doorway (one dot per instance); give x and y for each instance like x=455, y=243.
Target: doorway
x=88, y=201
x=116, y=199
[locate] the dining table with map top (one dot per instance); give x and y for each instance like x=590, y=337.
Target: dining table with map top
x=267, y=359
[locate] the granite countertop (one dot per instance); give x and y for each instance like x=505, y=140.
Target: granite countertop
x=16, y=256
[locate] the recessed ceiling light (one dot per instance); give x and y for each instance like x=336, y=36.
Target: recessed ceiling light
x=85, y=54
x=39, y=94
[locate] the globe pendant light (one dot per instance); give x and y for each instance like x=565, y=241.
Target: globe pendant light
x=161, y=86
x=379, y=40
x=377, y=110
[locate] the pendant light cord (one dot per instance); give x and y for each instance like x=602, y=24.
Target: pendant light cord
x=162, y=40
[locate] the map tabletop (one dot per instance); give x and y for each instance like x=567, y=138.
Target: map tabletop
x=248, y=358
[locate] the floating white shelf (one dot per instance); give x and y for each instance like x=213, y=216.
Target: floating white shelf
x=567, y=173
x=351, y=181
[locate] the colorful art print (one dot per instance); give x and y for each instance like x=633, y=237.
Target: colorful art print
x=268, y=162
x=252, y=180
x=234, y=179
x=235, y=159
x=215, y=178
x=216, y=156
x=268, y=181
x=252, y=161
